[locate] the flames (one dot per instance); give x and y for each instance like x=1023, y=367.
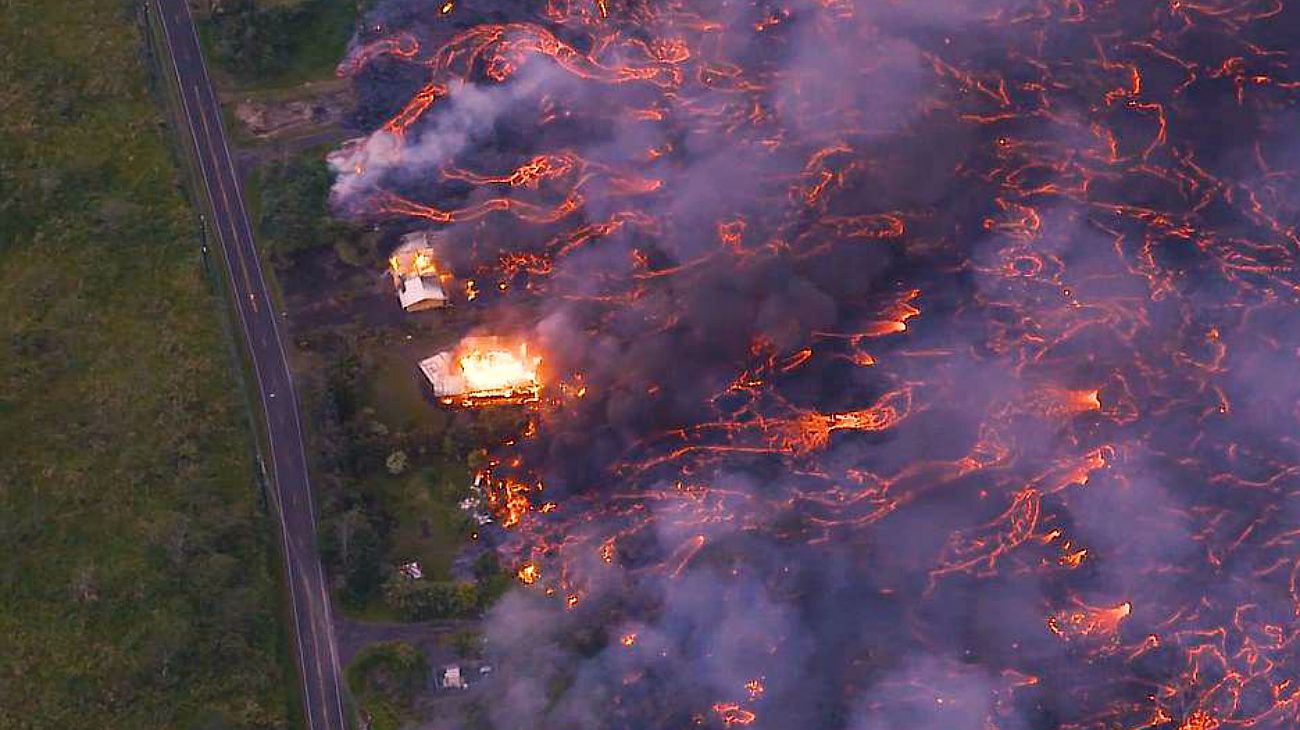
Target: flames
x=488, y=369
x=412, y=263
x=507, y=498
x=960, y=331
x=485, y=371
x=1199, y=720
x=528, y=573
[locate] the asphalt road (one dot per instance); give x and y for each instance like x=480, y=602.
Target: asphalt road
x=313, y=623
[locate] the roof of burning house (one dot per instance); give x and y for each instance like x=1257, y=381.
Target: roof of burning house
x=415, y=273
x=452, y=385
x=416, y=292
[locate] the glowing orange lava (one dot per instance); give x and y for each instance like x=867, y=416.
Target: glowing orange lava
x=1088, y=621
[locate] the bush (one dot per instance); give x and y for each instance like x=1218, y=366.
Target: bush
x=432, y=600
x=257, y=41
x=295, y=207
x=353, y=546
x=467, y=643
x=493, y=582
x=251, y=41
x=397, y=462
x=394, y=668
x=386, y=678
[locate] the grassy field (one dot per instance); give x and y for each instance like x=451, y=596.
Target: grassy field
x=137, y=588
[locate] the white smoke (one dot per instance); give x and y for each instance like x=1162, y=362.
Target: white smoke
x=453, y=124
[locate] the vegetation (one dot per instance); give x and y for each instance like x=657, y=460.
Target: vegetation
x=428, y=600
x=137, y=587
x=277, y=43
x=389, y=466
x=475, y=716
x=385, y=679
x=467, y=643
x=293, y=209
x=371, y=518
x=432, y=600
x=363, y=410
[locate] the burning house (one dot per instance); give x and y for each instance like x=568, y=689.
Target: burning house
x=415, y=275
x=975, y=318
x=483, y=371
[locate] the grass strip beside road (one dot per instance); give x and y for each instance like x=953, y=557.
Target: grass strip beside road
x=138, y=587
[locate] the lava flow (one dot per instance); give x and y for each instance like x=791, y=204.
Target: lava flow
x=937, y=361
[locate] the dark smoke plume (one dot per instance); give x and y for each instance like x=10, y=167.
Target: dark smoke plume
x=940, y=358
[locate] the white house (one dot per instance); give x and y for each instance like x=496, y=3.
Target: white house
x=452, y=679
x=415, y=274
x=483, y=371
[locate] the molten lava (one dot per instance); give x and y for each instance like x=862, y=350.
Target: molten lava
x=733, y=714
x=938, y=358
x=1088, y=621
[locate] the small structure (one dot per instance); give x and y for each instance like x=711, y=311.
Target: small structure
x=415, y=275
x=411, y=570
x=483, y=371
x=452, y=679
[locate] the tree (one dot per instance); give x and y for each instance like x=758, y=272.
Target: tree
x=393, y=671
x=250, y=41
x=352, y=546
x=396, y=462
x=295, y=206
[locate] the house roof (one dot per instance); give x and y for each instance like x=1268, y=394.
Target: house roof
x=453, y=386
x=413, y=291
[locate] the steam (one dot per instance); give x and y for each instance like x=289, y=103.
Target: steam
x=1098, y=371
x=465, y=117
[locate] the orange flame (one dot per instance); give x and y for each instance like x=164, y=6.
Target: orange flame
x=528, y=573
x=1199, y=720
x=417, y=262
x=499, y=369
x=507, y=499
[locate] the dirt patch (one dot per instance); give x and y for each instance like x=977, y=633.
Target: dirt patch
x=276, y=117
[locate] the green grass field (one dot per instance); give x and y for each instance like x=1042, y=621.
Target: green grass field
x=137, y=587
